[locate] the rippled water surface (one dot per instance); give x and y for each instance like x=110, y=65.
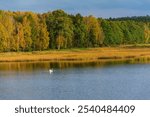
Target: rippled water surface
x=93, y=80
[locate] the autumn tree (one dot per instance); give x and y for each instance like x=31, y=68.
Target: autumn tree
x=27, y=34
x=20, y=42
x=80, y=31
x=3, y=38
x=60, y=41
x=43, y=40
x=8, y=22
x=34, y=25
x=95, y=32
x=59, y=22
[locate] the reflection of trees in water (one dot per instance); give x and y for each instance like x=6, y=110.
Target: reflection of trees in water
x=32, y=66
x=22, y=66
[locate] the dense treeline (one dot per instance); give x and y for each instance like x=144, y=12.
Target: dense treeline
x=28, y=31
x=134, y=18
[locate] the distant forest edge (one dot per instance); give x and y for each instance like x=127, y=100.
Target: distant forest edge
x=28, y=31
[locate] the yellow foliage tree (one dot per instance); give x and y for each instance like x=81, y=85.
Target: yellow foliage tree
x=95, y=32
x=60, y=41
x=147, y=33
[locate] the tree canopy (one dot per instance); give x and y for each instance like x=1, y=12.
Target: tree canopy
x=28, y=31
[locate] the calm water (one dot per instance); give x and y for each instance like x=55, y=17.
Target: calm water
x=74, y=81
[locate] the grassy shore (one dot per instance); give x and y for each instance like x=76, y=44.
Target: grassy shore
x=91, y=54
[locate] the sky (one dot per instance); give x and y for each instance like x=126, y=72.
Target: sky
x=98, y=8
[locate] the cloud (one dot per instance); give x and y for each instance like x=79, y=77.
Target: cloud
x=104, y=8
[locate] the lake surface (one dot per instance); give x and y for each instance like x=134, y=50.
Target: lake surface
x=93, y=80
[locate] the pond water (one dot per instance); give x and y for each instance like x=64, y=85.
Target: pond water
x=70, y=80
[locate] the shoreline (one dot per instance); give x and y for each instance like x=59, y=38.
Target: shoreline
x=81, y=55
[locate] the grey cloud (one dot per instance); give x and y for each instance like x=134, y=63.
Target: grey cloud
x=102, y=8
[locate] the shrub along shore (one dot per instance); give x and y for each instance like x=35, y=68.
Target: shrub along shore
x=81, y=55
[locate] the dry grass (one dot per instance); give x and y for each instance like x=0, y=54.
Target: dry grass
x=101, y=54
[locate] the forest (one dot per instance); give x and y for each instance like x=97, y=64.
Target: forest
x=28, y=31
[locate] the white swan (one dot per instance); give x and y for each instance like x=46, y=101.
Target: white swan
x=51, y=71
